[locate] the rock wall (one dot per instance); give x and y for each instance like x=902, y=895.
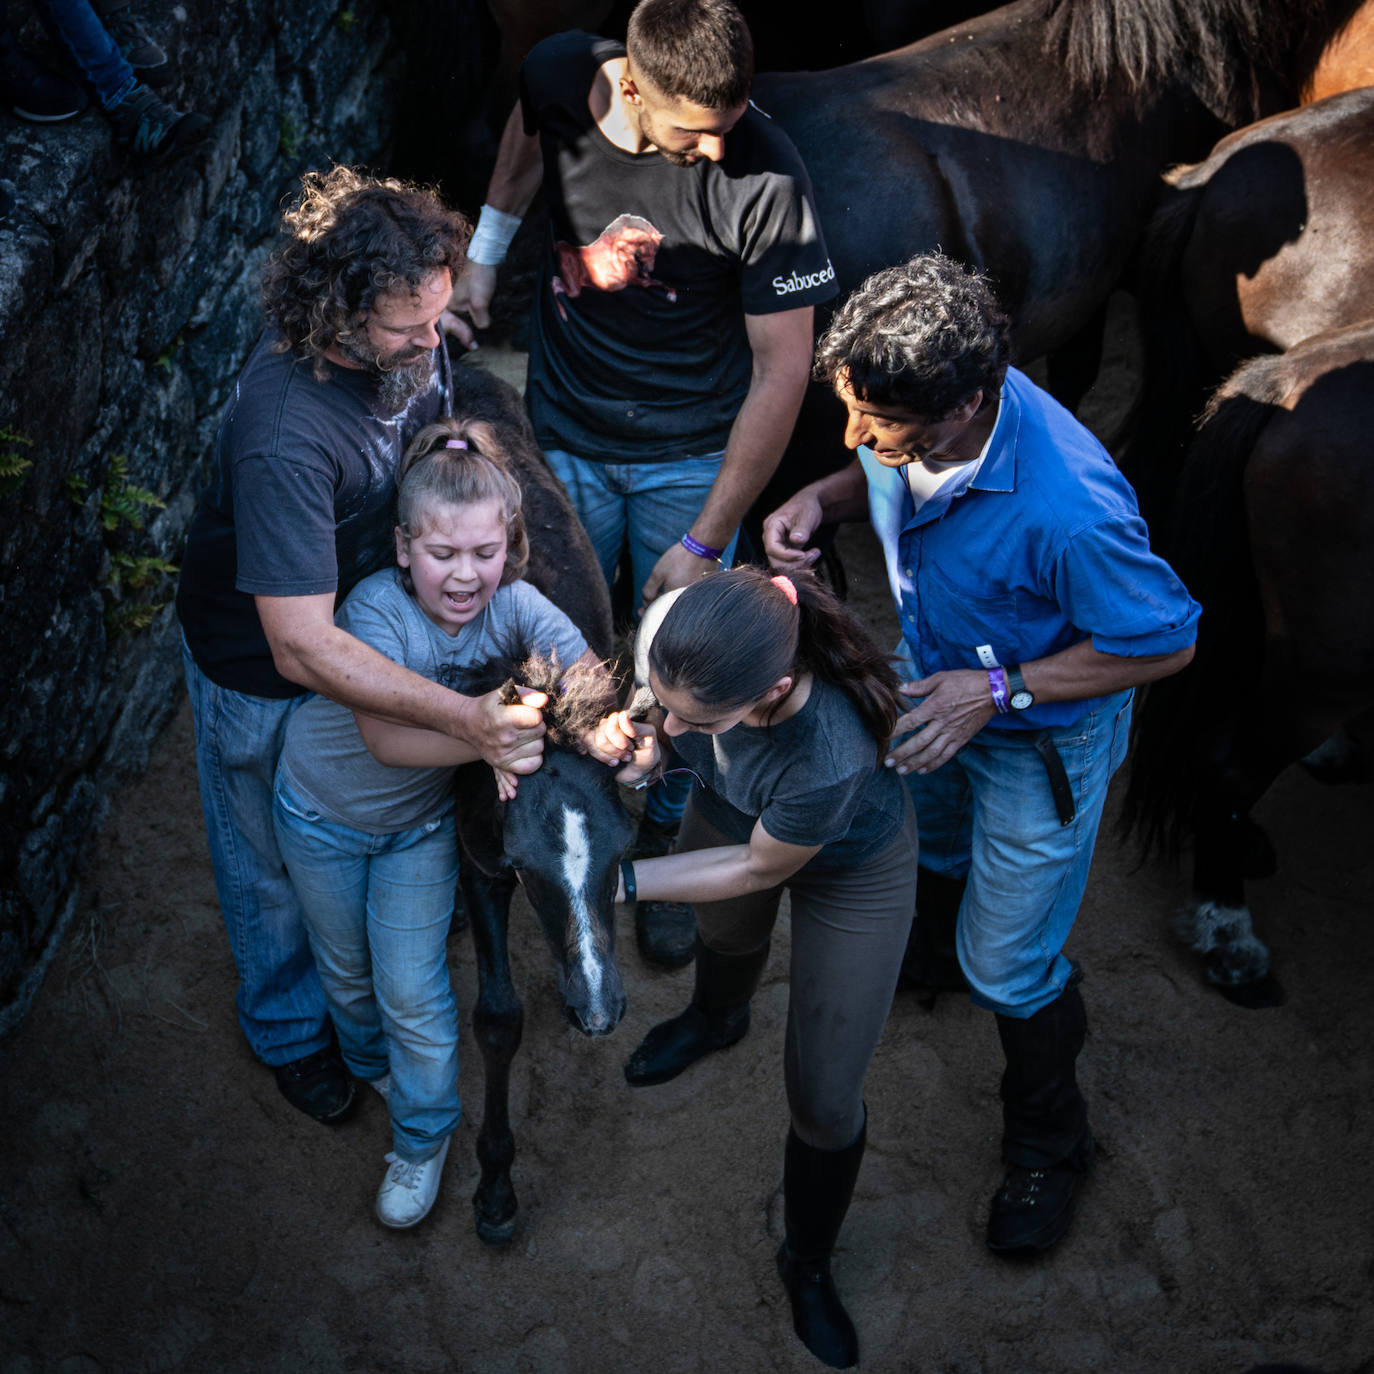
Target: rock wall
x=128, y=301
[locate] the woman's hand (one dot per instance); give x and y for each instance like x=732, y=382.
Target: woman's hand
x=619, y=740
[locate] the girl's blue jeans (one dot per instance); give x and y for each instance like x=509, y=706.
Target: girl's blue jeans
x=378, y=910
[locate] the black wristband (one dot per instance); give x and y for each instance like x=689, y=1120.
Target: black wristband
x=627, y=872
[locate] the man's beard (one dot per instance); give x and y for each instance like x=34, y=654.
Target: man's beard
x=400, y=378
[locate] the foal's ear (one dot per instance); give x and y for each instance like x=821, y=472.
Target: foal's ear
x=510, y=693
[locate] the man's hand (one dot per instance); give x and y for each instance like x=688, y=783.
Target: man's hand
x=676, y=568
x=472, y=296
x=510, y=738
x=787, y=530
x=957, y=704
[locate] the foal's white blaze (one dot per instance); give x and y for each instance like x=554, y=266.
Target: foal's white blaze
x=577, y=862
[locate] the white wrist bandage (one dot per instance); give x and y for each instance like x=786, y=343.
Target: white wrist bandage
x=490, y=240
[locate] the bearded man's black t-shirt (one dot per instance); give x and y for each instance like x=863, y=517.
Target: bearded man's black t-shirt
x=638, y=349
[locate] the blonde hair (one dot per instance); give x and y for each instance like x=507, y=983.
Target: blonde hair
x=436, y=470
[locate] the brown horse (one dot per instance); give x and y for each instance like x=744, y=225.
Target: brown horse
x=1272, y=529
x=1265, y=243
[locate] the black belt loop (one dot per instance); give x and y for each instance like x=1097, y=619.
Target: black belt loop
x=1059, y=779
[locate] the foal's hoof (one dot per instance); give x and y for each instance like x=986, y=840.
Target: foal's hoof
x=1261, y=992
x=493, y=1232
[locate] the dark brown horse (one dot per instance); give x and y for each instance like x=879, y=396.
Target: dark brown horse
x=1272, y=529
x=1265, y=243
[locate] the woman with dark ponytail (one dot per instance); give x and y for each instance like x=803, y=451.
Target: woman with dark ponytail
x=781, y=704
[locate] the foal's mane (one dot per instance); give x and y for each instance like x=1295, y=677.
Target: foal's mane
x=579, y=695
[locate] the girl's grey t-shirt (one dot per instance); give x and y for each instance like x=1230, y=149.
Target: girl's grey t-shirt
x=813, y=779
x=325, y=761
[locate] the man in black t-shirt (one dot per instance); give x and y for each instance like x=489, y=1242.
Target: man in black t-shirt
x=670, y=339
x=300, y=507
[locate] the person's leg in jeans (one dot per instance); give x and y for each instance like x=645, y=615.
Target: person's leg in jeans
x=144, y=124
x=329, y=868
x=77, y=27
x=280, y=1004
x=1026, y=881
x=29, y=90
x=663, y=500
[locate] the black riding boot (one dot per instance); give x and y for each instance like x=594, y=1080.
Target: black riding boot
x=717, y=1016
x=816, y=1188
x=1045, y=1138
x=931, y=962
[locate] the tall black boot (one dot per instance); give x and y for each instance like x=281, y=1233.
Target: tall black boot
x=931, y=962
x=816, y=1188
x=1045, y=1138
x=716, y=1017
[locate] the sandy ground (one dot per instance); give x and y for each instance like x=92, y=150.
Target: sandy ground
x=164, y=1209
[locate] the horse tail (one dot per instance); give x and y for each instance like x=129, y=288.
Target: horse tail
x=1174, y=381
x=1183, y=720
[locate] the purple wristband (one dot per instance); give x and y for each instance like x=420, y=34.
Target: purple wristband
x=701, y=550
x=997, y=680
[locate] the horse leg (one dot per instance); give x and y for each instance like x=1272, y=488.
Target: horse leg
x=1340, y=758
x=497, y=1022
x=1229, y=848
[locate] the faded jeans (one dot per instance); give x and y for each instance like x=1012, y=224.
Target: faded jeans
x=96, y=55
x=378, y=909
x=989, y=814
x=238, y=740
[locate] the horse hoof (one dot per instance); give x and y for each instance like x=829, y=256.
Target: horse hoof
x=494, y=1232
x=1261, y=992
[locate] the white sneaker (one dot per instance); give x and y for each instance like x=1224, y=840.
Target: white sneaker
x=408, y=1190
x=382, y=1085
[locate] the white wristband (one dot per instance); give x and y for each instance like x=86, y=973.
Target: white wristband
x=490, y=240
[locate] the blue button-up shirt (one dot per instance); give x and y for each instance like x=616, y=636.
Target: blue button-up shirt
x=1043, y=549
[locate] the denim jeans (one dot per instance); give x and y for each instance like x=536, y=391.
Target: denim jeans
x=238, y=739
x=989, y=813
x=378, y=909
x=652, y=505
x=78, y=28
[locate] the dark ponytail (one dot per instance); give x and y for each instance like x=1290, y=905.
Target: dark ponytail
x=730, y=636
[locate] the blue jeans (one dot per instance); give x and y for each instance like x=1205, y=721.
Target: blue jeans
x=652, y=505
x=378, y=909
x=78, y=28
x=989, y=814
x=238, y=739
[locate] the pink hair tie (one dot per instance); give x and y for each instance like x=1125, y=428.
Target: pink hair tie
x=786, y=586
x=455, y=443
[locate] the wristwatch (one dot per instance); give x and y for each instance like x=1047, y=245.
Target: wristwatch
x=1021, y=697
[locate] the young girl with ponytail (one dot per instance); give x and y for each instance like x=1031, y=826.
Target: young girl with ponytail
x=780, y=703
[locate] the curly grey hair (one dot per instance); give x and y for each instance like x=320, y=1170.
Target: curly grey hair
x=923, y=336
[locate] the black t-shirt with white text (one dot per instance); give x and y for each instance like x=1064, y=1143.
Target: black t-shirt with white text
x=638, y=350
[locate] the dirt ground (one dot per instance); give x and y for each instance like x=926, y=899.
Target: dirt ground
x=164, y=1209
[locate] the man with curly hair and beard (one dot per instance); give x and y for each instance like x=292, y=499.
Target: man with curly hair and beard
x=299, y=509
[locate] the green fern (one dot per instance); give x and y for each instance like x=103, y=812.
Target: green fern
x=122, y=500
x=13, y=464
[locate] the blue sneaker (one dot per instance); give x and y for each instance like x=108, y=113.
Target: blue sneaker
x=148, y=128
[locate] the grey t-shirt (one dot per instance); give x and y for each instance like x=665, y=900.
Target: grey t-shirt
x=325, y=761
x=813, y=779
